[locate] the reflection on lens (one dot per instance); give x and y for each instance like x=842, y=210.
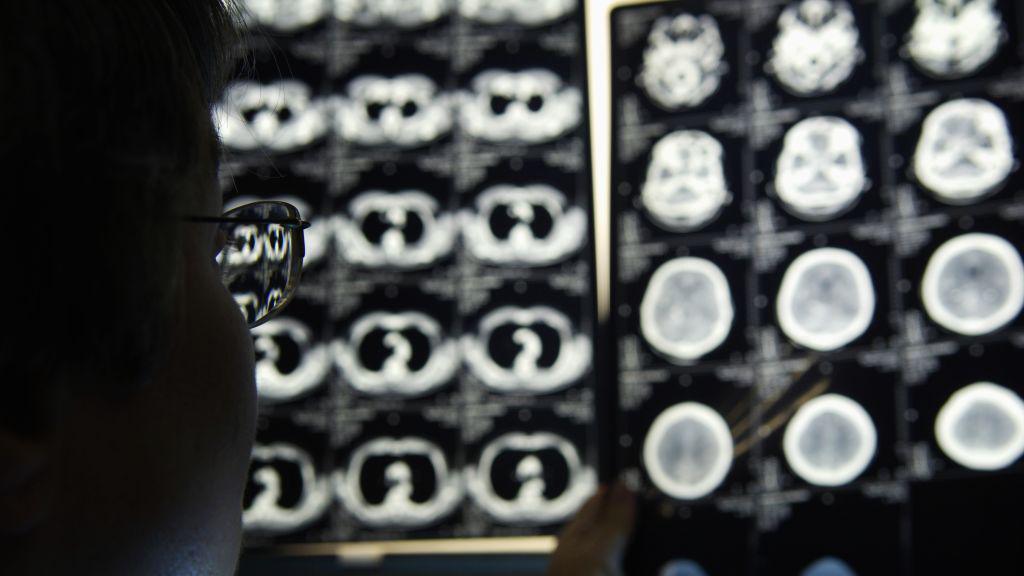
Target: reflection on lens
x=974, y=284
x=830, y=440
x=981, y=426
x=688, y=451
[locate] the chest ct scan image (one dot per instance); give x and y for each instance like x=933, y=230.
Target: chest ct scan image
x=281, y=116
x=830, y=440
x=688, y=451
x=528, y=106
x=817, y=47
x=284, y=493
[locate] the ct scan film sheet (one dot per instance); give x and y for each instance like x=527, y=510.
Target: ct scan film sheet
x=817, y=224
x=433, y=377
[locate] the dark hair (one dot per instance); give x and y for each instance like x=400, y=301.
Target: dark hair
x=102, y=108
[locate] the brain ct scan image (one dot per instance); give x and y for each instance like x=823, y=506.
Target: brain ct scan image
x=530, y=106
x=820, y=172
x=402, y=353
x=526, y=350
x=530, y=478
x=684, y=61
x=816, y=48
x=280, y=117
x=954, y=38
x=965, y=151
x=284, y=494
x=404, y=111
x=826, y=299
x=285, y=15
x=395, y=13
x=289, y=361
x=830, y=440
x=687, y=309
x=523, y=226
x=682, y=568
x=403, y=229
x=828, y=566
x=688, y=451
x=981, y=427
x=398, y=483
x=973, y=284
x=685, y=187
x=522, y=12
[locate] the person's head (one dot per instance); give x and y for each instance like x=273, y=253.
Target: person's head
x=127, y=395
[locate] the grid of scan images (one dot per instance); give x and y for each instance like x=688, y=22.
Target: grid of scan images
x=817, y=213
x=433, y=376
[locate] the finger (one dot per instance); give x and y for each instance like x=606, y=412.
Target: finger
x=618, y=514
x=588, y=513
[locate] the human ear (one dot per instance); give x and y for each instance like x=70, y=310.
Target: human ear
x=26, y=483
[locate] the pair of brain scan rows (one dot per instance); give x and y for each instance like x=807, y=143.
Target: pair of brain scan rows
x=509, y=225
x=689, y=448
x=515, y=350
x=404, y=111
x=826, y=566
x=295, y=15
x=816, y=49
x=820, y=174
x=406, y=483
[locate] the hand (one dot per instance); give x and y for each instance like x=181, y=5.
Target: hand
x=599, y=530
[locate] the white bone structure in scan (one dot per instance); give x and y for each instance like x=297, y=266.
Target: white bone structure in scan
x=522, y=12
x=830, y=440
x=817, y=47
x=290, y=362
x=820, y=172
x=289, y=494
x=685, y=186
x=826, y=299
x=531, y=225
x=688, y=451
x=396, y=354
x=973, y=284
x=981, y=426
x=684, y=61
x=402, y=14
x=954, y=38
x=687, y=309
x=419, y=486
x=404, y=229
x=533, y=497
x=965, y=151
x=530, y=106
x=532, y=350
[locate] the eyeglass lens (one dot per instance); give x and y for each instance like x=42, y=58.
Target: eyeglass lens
x=261, y=261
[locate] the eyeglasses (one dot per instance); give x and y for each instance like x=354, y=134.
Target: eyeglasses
x=261, y=261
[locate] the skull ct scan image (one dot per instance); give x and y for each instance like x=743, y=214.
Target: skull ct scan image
x=687, y=309
x=285, y=493
x=965, y=151
x=402, y=354
x=820, y=172
x=398, y=483
x=528, y=106
x=830, y=440
x=973, y=284
x=954, y=38
x=530, y=225
x=981, y=426
x=688, y=451
x=281, y=116
x=530, y=478
x=404, y=229
x=532, y=350
x=826, y=299
x=684, y=61
x=685, y=187
x=817, y=47
x=404, y=111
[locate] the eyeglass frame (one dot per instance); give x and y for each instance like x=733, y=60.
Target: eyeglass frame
x=292, y=224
